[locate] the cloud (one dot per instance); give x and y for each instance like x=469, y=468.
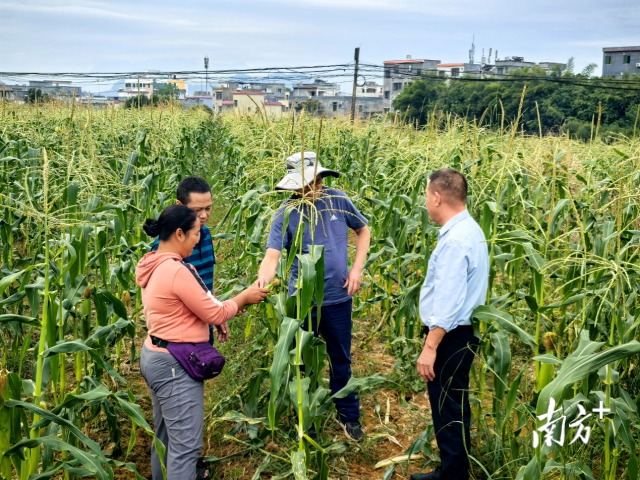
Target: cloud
x=116, y=35
x=446, y=9
x=603, y=43
x=172, y=21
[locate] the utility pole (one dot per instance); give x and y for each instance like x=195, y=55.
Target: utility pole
x=356, y=57
x=206, y=74
x=138, y=92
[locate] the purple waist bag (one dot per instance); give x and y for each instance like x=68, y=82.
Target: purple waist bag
x=200, y=360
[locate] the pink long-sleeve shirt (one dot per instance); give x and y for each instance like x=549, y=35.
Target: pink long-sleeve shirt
x=178, y=307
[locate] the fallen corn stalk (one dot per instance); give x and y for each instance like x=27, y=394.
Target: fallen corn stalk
x=398, y=459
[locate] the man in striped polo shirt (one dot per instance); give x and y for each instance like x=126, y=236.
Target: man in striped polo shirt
x=195, y=193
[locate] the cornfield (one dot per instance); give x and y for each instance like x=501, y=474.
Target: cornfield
x=560, y=326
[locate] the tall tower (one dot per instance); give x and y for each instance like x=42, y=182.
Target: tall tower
x=206, y=74
x=472, y=51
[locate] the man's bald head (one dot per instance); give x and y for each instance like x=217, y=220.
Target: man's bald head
x=450, y=184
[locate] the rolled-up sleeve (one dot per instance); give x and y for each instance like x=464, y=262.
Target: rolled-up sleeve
x=450, y=285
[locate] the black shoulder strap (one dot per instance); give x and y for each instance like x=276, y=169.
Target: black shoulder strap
x=193, y=272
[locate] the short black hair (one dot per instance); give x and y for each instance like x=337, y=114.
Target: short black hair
x=450, y=183
x=189, y=185
x=171, y=219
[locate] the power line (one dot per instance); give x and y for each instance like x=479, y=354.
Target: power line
x=332, y=71
x=471, y=77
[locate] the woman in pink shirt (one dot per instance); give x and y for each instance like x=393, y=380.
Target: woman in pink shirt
x=178, y=308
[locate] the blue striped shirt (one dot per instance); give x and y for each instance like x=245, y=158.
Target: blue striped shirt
x=202, y=258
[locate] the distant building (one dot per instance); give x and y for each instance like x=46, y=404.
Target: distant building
x=341, y=105
x=191, y=101
x=319, y=88
x=225, y=106
x=619, y=60
x=274, y=109
x=219, y=95
x=60, y=90
x=98, y=101
x=370, y=89
x=138, y=85
x=179, y=83
x=271, y=89
x=457, y=69
x=509, y=64
x=247, y=101
x=251, y=102
x=552, y=65
x=13, y=92
x=399, y=73
x=56, y=88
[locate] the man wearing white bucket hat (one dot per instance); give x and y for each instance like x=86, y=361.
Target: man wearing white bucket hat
x=335, y=215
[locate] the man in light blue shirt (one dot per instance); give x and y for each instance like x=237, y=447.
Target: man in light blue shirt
x=456, y=283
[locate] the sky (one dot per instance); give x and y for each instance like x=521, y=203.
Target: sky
x=95, y=36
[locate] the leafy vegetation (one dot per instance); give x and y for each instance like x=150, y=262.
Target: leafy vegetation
x=574, y=107
x=142, y=101
x=311, y=106
x=35, y=95
x=167, y=91
x=561, y=218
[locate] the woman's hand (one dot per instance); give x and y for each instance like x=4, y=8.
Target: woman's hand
x=255, y=295
x=222, y=332
x=251, y=296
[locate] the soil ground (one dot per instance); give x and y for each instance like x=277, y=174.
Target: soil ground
x=390, y=425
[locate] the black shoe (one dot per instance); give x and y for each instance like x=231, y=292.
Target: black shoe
x=203, y=470
x=354, y=430
x=435, y=475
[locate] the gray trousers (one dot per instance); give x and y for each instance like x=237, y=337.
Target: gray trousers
x=178, y=414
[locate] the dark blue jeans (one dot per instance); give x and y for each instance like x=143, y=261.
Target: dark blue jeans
x=449, y=398
x=335, y=327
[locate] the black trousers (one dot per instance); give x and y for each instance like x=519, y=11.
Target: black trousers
x=449, y=398
x=335, y=327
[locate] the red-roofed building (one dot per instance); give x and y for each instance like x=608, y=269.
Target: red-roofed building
x=400, y=73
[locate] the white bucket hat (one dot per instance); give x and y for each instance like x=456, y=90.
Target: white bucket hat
x=309, y=170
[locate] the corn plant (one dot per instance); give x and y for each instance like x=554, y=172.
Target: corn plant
x=560, y=325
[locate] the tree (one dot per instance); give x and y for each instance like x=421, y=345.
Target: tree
x=168, y=91
x=564, y=105
x=142, y=101
x=570, y=66
x=33, y=95
x=311, y=106
x=588, y=70
x=204, y=108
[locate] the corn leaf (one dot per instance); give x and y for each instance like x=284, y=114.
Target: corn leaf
x=490, y=314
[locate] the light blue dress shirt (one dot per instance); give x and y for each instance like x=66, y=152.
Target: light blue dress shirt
x=458, y=275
